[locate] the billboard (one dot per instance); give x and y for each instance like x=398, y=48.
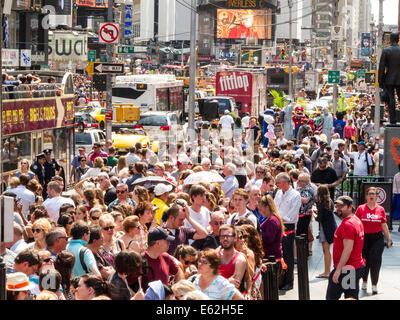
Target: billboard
x=244, y=4
x=365, y=44
x=242, y=24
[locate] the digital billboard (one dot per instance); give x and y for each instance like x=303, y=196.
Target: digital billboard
x=242, y=24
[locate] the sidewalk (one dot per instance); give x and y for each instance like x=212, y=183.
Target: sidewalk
x=389, y=279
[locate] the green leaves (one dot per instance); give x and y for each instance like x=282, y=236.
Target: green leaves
x=279, y=101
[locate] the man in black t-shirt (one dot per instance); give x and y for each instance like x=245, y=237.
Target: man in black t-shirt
x=110, y=193
x=325, y=175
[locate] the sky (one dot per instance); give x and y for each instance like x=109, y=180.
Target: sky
x=390, y=11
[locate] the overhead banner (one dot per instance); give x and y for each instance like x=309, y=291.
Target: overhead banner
x=244, y=4
x=365, y=44
x=242, y=24
x=68, y=47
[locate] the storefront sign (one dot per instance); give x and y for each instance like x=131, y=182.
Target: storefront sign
x=244, y=4
x=10, y=57
x=68, y=47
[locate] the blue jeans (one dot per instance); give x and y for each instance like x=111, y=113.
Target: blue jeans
x=349, y=284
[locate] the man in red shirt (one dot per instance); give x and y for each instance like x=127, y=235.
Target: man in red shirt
x=96, y=152
x=349, y=265
x=160, y=264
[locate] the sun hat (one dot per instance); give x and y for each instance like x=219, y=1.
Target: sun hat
x=19, y=281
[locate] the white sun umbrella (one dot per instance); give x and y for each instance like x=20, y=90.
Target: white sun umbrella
x=205, y=176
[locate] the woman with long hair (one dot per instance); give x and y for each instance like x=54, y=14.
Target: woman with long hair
x=64, y=263
x=91, y=286
x=187, y=257
x=90, y=198
x=140, y=194
x=100, y=196
x=241, y=246
x=93, y=172
x=327, y=226
x=122, y=164
x=131, y=228
x=81, y=213
x=373, y=217
x=40, y=228
x=111, y=245
x=25, y=169
x=145, y=212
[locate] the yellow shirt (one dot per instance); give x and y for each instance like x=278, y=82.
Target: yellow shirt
x=161, y=208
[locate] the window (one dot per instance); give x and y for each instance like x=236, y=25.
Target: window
x=83, y=138
x=153, y=120
x=128, y=93
x=15, y=149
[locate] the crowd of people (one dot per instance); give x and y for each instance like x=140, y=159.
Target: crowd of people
x=122, y=234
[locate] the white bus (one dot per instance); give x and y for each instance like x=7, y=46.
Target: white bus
x=152, y=92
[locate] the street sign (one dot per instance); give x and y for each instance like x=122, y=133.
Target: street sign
x=89, y=68
x=361, y=73
x=109, y=114
x=125, y=49
x=333, y=77
x=108, y=32
x=92, y=56
x=336, y=33
x=370, y=77
x=101, y=67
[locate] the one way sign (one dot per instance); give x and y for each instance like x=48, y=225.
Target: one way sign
x=102, y=67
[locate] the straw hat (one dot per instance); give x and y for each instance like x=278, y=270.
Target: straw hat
x=19, y=281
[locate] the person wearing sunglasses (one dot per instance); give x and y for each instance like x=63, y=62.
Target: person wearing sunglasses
x=94, y=215
x=111, y=245
x=82, y=169
x=66, y=221
x=208, y=281
x=25, y=169
x=76, y=162
x=122, y=197
x=187, y=257
x=40, y=228
x=132, y=229
x=56, y=241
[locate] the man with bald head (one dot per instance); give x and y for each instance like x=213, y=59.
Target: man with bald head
x=18, y=244
x=212, y=239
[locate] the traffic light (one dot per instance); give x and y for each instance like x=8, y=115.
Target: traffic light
x=250, y=55
x=283, y=54
x=373, y=59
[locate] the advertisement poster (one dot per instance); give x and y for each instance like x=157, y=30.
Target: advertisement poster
x=242, y=24
x=365, y=44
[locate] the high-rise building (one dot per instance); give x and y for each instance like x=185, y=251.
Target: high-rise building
x=322, y=20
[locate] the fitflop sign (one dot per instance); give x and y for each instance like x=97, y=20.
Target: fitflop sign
x=234, y=81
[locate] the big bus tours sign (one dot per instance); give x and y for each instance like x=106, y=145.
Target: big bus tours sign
x=244, y=4
x=28, y=115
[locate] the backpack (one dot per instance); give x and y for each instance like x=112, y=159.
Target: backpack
x=248, y=213
x=338, y=127
x=82, y=258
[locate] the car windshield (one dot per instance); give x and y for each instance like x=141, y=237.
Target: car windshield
x=83, y=138
x=153, y=120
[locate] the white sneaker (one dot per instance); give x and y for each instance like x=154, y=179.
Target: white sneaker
x=374, y=290
x=364, y=286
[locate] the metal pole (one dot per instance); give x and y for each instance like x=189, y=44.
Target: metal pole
x=192, y=70
x=290, y=4
x=335, y=58
x=377, y=116
x=109, y=78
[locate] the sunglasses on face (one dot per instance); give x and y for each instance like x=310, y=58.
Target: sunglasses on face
x=70, y=222
x=84, y=160
x=36, y=230
x=108, y=228
x=95, y=218
x=47, y=260
x=121, y=191
x=189, y=262
x=242, y=237
x=65, y=238
x=227, y=236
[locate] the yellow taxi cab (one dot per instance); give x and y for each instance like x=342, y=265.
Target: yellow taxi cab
x=126, y=138
x=100, y=115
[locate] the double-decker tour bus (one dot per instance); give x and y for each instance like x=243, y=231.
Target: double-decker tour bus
x=37, y=117
x=151, y=92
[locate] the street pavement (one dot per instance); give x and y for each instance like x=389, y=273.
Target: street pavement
x=389, y=280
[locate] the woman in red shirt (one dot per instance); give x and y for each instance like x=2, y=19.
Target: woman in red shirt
x=350, y=131
x=373, y=217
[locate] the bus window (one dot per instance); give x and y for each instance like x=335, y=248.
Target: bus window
x=128, y=93
x=15, y=149
x=162, y=99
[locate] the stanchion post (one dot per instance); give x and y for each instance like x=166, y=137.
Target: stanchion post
x=267, y=281
x=274, y=278
x=305, y=265
x=302, y=268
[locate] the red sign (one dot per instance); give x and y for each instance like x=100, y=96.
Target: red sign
x=205, y=58
x=28, y=115
x=238, y=85
x=109, y=33
x=109, y=114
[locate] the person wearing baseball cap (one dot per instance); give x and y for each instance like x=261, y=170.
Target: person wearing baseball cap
x=363, y=164
x=347, y=251
x=75, y=162
x=161, y=193
x=161, y=265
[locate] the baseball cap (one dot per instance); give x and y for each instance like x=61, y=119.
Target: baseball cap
x=362, y=143
x=299, y=153
x=159, y=234
x=344, y=200
x=226, y=111
x=162, y=188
